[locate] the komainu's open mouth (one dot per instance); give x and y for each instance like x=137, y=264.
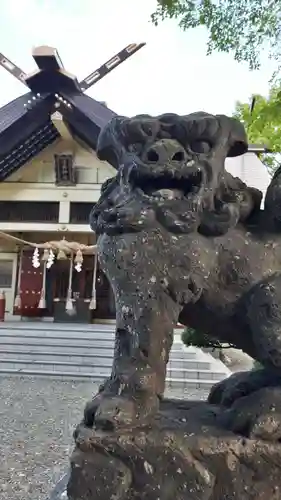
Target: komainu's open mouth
x=169, y=186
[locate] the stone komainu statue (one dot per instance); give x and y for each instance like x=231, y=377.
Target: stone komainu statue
x=180, y=239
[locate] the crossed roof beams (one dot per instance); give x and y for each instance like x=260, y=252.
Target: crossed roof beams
x=49, y=61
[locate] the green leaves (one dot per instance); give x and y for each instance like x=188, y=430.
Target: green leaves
x=264, y=124
x=243, y=27
x=200, y=339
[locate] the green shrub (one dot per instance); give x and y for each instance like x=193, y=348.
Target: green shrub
x=202, y=340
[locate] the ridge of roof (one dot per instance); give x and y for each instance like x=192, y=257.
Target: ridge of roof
x=23, y=120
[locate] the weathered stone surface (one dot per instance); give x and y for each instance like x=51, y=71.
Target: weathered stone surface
x=241, y=384
x=184, y=454
x=181, y=239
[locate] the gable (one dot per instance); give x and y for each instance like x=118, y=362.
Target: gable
x=90, y=170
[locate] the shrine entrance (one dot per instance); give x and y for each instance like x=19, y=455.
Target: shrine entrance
x=82, y=286
x=105, y=309
x=67, y=289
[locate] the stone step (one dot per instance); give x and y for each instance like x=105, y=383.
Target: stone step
x=104, y=363
x=171, y=383
x=40, y=344
x=189, y=384
x=59, y=327
x=37, y=338
x=89, y=335
x=69, y=327
x=79, y=350
x=95, y=341
x=187, y=373
x=85, y=352
x=80, y=345
x=62, y=334
x=77, y=356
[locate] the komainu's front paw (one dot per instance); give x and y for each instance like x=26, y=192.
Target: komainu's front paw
x=129, y=399
x=252, y=402
x=256, y=416
x=242, y=384
x=109, y=412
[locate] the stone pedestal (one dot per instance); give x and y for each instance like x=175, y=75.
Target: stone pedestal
x=189, y=451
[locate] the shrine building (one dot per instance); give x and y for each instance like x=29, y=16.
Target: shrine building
x=50, y=177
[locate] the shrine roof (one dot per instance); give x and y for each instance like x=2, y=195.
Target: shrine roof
x=27, y=123
x=26, y=127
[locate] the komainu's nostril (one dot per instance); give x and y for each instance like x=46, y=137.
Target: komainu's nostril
x=152, y=156
x=178, y=156
x=165, y=151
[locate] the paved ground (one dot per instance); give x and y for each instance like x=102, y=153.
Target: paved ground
x=37, y=417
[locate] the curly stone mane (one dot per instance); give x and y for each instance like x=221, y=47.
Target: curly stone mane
x=176, y=154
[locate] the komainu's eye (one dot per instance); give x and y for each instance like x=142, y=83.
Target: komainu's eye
x=200, y=147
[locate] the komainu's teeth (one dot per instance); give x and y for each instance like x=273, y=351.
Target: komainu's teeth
x=168, y=194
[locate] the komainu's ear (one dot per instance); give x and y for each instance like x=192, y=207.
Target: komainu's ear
x=238, y=142
x=110, y=147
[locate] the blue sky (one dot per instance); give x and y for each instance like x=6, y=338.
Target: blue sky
x=171, y=74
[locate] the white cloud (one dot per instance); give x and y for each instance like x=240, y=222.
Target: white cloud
x=172, y=73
